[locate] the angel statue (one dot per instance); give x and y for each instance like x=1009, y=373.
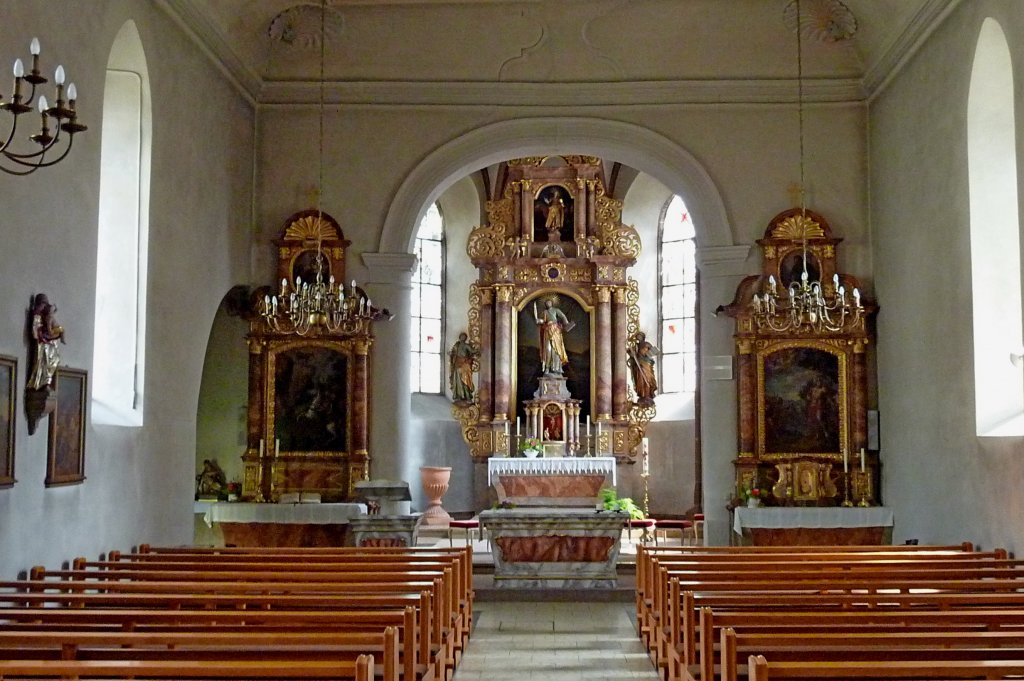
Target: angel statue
x=640, y=358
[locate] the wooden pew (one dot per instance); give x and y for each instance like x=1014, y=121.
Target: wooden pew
x=761, y=669
x=362, y=669
x=211, y=646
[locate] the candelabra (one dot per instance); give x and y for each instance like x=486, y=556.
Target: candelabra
x=806, y=306
x=62, y=111
x=304, y=308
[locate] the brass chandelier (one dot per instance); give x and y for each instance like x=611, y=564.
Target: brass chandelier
x=313, y=307
x=805, y=306
x=15, y=163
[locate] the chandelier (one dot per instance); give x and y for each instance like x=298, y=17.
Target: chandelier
x=805, y=305
x=63, y=112
x=318, y=306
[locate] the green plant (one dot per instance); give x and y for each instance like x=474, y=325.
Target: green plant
x=752, y=492
x=613, y=502
x=529, y=443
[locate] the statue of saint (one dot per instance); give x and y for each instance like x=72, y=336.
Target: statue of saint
x=211, y=480
x=641, y=365
x=556, y=214
x=553, y=325
x=45, y=334
x=461, y=359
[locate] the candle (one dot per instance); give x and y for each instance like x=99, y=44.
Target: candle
x=846, y=460
x=277, y=446
x=597, y=443
x=644, y=459
x=588, y=425
x=861, y=459
x=261, y=448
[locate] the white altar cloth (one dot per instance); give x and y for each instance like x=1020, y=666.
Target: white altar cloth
x=309, y=514
x=587, y=465
x=813, y=517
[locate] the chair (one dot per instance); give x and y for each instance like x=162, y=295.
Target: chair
x=467, y=526
x=646, y=525
x=684, y=527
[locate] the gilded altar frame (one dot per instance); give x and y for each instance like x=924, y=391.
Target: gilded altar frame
x=308, y=411
x=803, y=394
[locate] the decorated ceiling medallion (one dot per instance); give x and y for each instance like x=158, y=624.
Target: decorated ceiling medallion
x=298, y=27
x=827, y=21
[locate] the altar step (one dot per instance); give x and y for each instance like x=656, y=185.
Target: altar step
x=486, y=592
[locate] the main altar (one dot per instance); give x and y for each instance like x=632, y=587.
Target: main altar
x=556, y=482
x=553, y=315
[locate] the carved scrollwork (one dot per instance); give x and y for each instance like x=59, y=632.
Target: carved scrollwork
x=488, y=241
x=632, y=307
x=616, y=238
x=798, y=227
x=475, y=301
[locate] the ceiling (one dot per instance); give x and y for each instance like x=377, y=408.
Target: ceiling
x=549, y=51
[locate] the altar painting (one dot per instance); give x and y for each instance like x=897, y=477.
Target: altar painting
x=802, y=401
x=577, y=347
x=310, y=399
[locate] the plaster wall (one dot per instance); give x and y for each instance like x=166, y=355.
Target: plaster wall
x=139, y=481
x=944, y=483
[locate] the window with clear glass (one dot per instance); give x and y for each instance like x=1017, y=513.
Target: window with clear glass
x=428, y=304
x=122, y=240
x=678, y=298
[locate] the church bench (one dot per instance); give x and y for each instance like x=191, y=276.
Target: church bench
x=761, y=669
x=841, y=622
x=415, y=658
x=362, y=669
x=864, y=646
x=210, y=646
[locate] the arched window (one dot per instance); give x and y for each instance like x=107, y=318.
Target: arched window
x=428, y=303
x=678, y=299
x=119, y=345
x=995, y=241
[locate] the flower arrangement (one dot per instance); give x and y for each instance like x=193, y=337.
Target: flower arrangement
x=529, y=443
x=750, y=493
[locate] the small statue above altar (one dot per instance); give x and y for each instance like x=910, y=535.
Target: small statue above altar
x=462, y=361
x=641, y=365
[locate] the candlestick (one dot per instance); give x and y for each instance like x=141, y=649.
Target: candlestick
x=645, y=467
x=846, y=460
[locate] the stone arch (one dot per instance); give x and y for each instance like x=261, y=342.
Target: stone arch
x=628, y=143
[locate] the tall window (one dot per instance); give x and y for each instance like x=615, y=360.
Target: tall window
x=995, y=241
x=123, y=235
x=678, y=277
x=428, y=303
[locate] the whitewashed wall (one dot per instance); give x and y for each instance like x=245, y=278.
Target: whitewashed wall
x=139, y=480
x=945, y=483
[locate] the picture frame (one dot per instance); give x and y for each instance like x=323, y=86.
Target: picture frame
x=8, y=398
x=65, y=461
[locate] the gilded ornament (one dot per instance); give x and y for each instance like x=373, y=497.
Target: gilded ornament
x=743, y=346
x=504, y=273
x=527, y=275
x=798, y=227
x=632, y=307
x=603, y=272
x=828, y=251
x=486, y=242
x=621, y=294
x=769, y=252
x=487, y=296
x=580, y=274
x=504, y=293
x=474, y=314
x=604, y=294
x=310, y=228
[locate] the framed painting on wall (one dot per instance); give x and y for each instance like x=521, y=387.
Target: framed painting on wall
x=65, y=463
x=8, y=381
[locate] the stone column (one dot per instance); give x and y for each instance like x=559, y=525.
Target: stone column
x=603, y=358
x=389, y=285
x=484, y=390
x=620, y=321
x=502, y=350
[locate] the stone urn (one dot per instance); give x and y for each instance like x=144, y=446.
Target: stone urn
x=435, y=484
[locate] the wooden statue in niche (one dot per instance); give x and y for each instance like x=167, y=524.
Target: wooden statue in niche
x=554, y=255
x=802, y=372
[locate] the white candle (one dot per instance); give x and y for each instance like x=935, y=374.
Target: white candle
x=846, y=460
x=588, y=425
x=861, y=459
x=518, y=426
x=597, y=443
x=261, y=448
x=644, y=458
x=277, y=446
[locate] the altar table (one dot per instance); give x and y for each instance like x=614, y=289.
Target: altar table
x=554, y=547
x=812, y=526
x=569, y=481
x=250, y=524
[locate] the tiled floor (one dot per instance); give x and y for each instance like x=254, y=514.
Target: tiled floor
x=554, y=642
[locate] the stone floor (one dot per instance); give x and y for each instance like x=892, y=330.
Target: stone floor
x=554, y=642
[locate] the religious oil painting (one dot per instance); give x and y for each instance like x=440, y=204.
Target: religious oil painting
x=66, y=461
x=8, y=383
x=576, y=339
x=802, y=401
x=311, y=399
